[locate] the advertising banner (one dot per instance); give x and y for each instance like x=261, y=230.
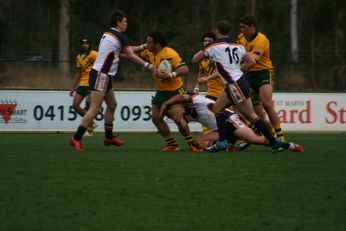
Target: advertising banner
x=52, y=111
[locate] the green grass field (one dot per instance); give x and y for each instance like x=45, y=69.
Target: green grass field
x=45, y=185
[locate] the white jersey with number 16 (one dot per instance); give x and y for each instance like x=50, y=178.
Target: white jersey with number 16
x=227, y=56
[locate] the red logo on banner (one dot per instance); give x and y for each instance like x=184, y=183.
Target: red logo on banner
x=6, y=110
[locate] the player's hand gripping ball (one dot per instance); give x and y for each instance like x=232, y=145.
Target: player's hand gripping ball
x=165, y=66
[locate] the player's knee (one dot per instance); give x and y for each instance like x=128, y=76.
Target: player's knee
x=267, y=104
x=177, y=118
x=181, y=122
x=156, y=119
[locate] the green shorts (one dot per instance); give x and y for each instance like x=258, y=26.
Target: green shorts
x=162, y=96
x=211, y=97
x=83, y=91
x=257, y=79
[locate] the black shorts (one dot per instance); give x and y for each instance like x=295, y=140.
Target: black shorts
x=238, y=91
x=162, y=96
x=257, y=79
x=99, y=81
x=83, y=91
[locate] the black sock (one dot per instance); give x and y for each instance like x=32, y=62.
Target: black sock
x=255, y=130
x=221, y=125
x=189, y=139
x=171, y=142
x=79, y=133
x=263, y=128
x=285, y=145
x=109, y=131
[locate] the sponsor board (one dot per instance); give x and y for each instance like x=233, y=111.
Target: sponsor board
x=52, y=111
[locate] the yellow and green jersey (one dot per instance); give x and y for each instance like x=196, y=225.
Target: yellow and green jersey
x=175, y=60
x=146, y=55
x=215, y=86
x=259, y=48
x=85, y=64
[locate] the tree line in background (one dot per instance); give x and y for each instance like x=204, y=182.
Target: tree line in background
x=301, y=32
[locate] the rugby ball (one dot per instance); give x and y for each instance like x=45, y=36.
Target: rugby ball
x=165, y=66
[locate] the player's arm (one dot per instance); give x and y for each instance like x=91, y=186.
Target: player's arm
x=139, y=48
x=200, y=75
x=134, y=58
x=198, y=56
x=248, y=62
x=174, y=100
x=181, y=70
x=123, y=56
x=135, y=49
x=209, y=77
x=76, y=80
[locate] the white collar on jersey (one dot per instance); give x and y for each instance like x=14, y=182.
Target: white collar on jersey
x=113, y=28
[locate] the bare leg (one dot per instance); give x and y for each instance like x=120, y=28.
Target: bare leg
x=77, y=100
x=111, y=106
x=159, y=123
x=246, y=134
x=177, y=115
x=266, y=97
x=204, y=140
x=95, y=105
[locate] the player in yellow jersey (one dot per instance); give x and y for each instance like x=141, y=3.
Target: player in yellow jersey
x=168, y=85
x=208, y=72
x=80, y=86
x=260, y=76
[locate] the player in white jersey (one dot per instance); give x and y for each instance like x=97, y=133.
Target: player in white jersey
x=200, y=109
x=231, y=61
x=105, y=67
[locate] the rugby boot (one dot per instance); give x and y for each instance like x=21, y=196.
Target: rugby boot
x=170, y=148
x=76, y=144
x=113, y=141
x=218, y=146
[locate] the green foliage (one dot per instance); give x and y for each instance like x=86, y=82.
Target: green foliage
x=31, y=28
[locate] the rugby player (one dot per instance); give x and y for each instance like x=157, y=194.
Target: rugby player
x=208, y=73
x=231, y=61
x=261, y=75
x=113, y=41
x=168, y=85
x=84, y=63
x=200, y=109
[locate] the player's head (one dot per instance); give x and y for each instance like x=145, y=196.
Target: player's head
x=223, y=28
x=248, y=25
x=156, y=40
x=117, y=19
x=85, y=43
x=208, y=37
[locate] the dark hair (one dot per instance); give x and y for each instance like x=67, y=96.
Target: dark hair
x=249, y=20
x=85, y=39
x=159, y=37
x=224, y=27
x=209, y=34
x=114, y=17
